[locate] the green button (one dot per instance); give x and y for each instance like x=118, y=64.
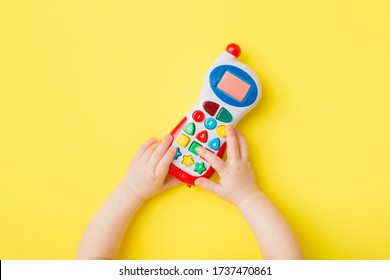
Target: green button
x=193, y=147
x=224, y=116
x=189, y=128
x=199, y=167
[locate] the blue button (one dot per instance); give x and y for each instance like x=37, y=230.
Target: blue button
x=178, y=153
x=210, y=123
x=214, y=144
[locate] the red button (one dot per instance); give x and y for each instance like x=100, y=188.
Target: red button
x=202, y=136
x=210, y=107
x=198, y=116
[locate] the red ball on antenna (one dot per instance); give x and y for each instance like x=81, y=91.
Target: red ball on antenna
x=233, y=49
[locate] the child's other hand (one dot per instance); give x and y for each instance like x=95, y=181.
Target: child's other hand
x=237, y=179
x=147, y=174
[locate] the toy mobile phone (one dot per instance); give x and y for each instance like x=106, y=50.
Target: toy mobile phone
x=230, y=90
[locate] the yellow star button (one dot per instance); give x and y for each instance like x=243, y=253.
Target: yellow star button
x=187, y=161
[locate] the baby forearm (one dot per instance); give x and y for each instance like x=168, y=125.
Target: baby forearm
x=274, y=236
x=105, y=232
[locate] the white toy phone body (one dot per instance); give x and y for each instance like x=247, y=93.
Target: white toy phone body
x=230, y=90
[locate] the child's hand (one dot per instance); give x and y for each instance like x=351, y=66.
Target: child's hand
x=237, y=180
x=147, y=174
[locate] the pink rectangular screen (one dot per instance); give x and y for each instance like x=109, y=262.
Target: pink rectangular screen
x=233, y=86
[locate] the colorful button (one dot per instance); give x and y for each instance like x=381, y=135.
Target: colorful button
x=210, y=123
x=210, y=107
x=202, y=136
x=199, y=167
x=193, y=147
x=189, y=128
x=221, y=131
x=187, y=161
x=214, y=144
x=178, y=153
x=183, y=140
x=198, y=116
x=224, y=116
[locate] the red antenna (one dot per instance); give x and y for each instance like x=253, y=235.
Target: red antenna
x=234, y=49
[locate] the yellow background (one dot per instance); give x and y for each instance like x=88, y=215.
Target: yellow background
x=84, y=83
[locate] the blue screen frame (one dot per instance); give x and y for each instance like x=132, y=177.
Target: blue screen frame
x=217, y=74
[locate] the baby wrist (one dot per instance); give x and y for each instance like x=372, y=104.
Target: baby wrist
x=248, y=199
x=130, y=192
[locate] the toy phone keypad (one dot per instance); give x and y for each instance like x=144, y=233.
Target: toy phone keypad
x=205, y=127
x=229, y=92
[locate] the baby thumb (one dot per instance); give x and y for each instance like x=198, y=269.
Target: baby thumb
x=207, y=185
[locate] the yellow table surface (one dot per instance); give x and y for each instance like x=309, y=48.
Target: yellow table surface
x=84, y=83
